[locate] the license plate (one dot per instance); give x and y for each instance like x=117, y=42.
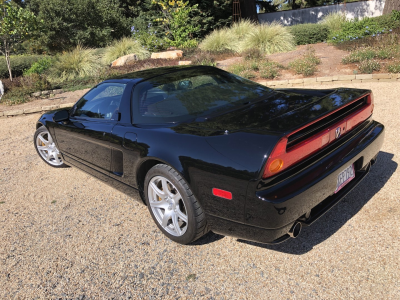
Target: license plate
x=345, y=177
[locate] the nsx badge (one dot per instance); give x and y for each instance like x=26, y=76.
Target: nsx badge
x=338, y=132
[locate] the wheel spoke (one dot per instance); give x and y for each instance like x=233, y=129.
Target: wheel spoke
x=50, y=139
x=166, y=218
x=165, y=186
x=48, y=156
x=42, y=148
x=175, y=222
x=56, y=158
x=159, y=192
x=159, y=204
x=43, y=140
x=181, y=215
x=177, y=197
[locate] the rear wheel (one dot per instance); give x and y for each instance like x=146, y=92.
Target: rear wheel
x=173, y=206
x=46, y=148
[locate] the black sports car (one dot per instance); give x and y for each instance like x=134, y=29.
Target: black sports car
x=207, y=150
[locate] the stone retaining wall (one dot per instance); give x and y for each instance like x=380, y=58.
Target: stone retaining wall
x=339, y=79
x=18, y=112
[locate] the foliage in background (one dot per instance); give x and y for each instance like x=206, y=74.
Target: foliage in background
x=334, y=21
x=40, y=66
x=91, y=23
x=19, y=64
x=220, y=40
x=252, y=68
x=78, y=63
x=179, y=29
x=123, y=47
x=369, y=66
x=359, y=29
x=305, y=34
x=204, y=16
x=306, y=65
x=269, y=38
x=16, y=25
x=393, y=67
x=363, y=54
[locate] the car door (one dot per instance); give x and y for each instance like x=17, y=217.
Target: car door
x=86, y=135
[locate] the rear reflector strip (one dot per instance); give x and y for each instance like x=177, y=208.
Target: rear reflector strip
x=302, y=150
x=222, y=194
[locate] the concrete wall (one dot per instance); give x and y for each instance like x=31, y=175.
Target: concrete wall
x=371, y=8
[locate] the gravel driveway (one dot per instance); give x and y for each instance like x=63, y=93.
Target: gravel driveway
x=66, y=235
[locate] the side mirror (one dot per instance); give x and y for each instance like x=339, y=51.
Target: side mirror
x=60, y=116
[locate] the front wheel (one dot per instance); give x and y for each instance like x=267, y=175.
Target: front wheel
x=173, y=206
x=46, y=148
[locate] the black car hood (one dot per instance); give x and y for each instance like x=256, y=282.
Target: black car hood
x=282, y=111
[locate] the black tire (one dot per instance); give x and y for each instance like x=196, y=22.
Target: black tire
x=50, y=156
x=196, y=224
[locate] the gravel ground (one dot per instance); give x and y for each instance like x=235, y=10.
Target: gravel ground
x=66, y=235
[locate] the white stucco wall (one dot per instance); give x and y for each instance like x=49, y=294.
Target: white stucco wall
x=371, y=8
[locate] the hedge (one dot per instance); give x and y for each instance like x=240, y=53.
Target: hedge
x=305, y=34
x=18, y=64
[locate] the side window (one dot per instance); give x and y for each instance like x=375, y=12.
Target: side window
x=102, y=102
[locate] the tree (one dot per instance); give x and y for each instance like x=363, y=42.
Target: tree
x=16, y=25
x=391, y=5
x=90, y=23
x=249, y=10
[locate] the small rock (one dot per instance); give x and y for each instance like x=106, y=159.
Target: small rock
x=124, y=60
x=167, y=54
x=185, y=62
x=46, y=92
x=58, y=91
x=37, y=94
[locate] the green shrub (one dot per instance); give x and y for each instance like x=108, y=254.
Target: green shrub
x=40, y=66
x=395, y=15
x=269, y=70
x=203, y=59
x=269, y=38
x=35, y=82
x=253, y=68
x=123, y=47
x=18, y=64
x=387, y=21
x=358, y=29
x=393, y=67
x=388, y=53
x=305, y=34
x=220, y=40
x=334, y=21
x=77, y=63
x=368, y=66
x=359, y=56
x=306, y=65
x=242, y=29
x=252, y=53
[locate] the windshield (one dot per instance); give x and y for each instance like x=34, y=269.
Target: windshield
x=191, y=93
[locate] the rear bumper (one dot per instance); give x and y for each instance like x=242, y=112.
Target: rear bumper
x=306, y=194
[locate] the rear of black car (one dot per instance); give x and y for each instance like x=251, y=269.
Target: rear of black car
x=312, y=167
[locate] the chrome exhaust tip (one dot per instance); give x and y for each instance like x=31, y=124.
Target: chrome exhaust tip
x=295, y=230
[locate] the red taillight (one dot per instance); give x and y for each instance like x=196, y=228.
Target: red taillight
x=222, y=194
x=282, y=158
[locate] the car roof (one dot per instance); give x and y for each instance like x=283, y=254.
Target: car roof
x=150, y=73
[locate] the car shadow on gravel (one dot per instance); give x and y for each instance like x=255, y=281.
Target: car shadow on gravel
x=338, y=216
x=209, y=238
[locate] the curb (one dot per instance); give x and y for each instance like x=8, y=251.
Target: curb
x=341, y=79
x=20, y=112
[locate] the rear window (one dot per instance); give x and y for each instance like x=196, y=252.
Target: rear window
x=191, y=93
